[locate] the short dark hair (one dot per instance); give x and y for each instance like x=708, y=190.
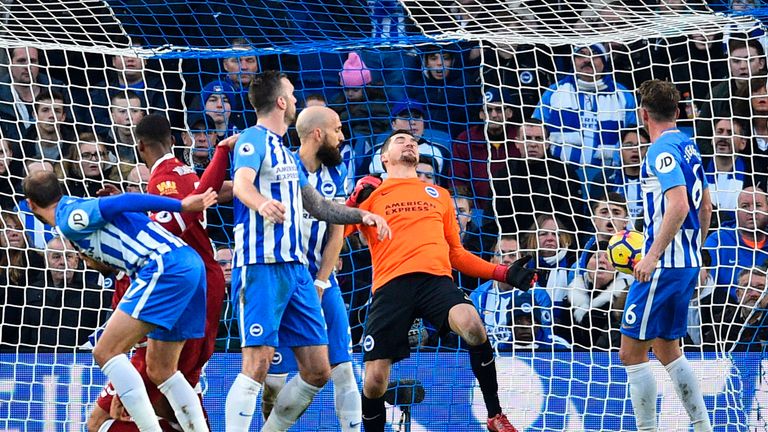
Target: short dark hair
x=265, y=89
x=42, y=188
x=641, y=132
x=614, y=198
x=741, y=40
x=660, y=99
x=385, y=146
x=47, y=95
x=127, y=95
x=316, y=97
x=154, y=130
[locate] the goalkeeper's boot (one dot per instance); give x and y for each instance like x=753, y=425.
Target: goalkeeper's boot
x=500, y=423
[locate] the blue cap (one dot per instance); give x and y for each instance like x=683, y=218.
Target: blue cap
x=596, y=49
x=498, y=95
x=217, y=87
x=410, y=106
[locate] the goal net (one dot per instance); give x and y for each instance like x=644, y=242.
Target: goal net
x=526, y=112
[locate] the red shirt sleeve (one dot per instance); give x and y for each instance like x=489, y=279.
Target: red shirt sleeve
x=215, y=172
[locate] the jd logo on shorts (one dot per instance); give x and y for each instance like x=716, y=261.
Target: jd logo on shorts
x=368, y=343
x=256, y=330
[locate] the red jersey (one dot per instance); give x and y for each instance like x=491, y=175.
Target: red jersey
x=171, y=178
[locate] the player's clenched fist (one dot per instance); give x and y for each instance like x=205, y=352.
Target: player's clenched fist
x=273, y=211
x=382, y=228
x=516, y=274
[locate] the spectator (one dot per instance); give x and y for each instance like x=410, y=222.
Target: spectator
x=126, y=112
x=215, y=102
x=739, y=246
x=553, y=257
x=314, y=99
x=425, y=170
x=746, y=60
x=129, y=73
x=745, y=322
x=18, y=267
x=626, y=181
x=228, y=326
x=362, y=106
x=701, y=331
x=728, y=172
x=37, y=232
x=240, y=71
x=514, y=319
x=20, y=90
x=444, y=89
x=87, y=167
x=696, y=73
x=137, y=179
x=609, y=216
x=64, y=306
x=9, y=183
x=535, y=183
x=472, y=149
x=50, y=138
x=199, y=142
x=751, y=104
x=582, y=134
x=591, y=318
x=410, y=116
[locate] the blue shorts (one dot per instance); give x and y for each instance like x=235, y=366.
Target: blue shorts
x=276, y=304
x=169, y=292
x=339, y=336
x=659, y=308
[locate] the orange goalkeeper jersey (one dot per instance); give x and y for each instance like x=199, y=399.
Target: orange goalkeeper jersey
x=425, y=233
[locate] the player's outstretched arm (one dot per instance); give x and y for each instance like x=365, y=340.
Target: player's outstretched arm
x=115, y=205
x=339, y=214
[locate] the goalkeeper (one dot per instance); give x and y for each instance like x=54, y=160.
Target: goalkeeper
x=412, y=278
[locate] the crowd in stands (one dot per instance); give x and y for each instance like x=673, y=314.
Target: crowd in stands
x=540, y=146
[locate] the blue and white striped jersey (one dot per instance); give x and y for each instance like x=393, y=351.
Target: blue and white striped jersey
x=258, y=241
x=674, y=160
x=123, y=239
x=329, y=181
x=38, y=233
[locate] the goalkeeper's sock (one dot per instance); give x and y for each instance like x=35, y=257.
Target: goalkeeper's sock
x=240, y=404
x=483, y=363
x=689, y=392
x=346, y=396
x=185, y=403
x=272, y=386
x=291, y=403
x=374, y=414
x=130, y=387
x=643, y=392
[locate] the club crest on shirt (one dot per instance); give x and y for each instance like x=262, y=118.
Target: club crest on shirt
x=328, y=188
x=167, y=187
x=432, y=191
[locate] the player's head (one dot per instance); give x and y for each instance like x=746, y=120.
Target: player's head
x=43, y=192
x=270, y=91
x=320, y=127
x=154, y=135
x=400, y=148
x=658, y=101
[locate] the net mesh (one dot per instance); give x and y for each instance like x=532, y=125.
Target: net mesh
x=528, y=112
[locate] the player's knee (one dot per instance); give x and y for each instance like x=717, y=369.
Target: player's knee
x=317, y=376
x=375, y=385
x=630, y=357
x=159, y=373
x=102, y=356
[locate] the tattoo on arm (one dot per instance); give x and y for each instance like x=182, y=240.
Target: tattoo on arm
x=329, y=211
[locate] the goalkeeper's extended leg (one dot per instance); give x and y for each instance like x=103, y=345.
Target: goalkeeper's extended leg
x=464, y=320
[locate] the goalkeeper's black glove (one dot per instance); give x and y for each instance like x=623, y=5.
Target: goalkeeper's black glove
x=516, y=275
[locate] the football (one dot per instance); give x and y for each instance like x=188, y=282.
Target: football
x=625, y=249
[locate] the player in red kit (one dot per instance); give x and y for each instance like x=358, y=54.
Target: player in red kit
x=171, y=178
